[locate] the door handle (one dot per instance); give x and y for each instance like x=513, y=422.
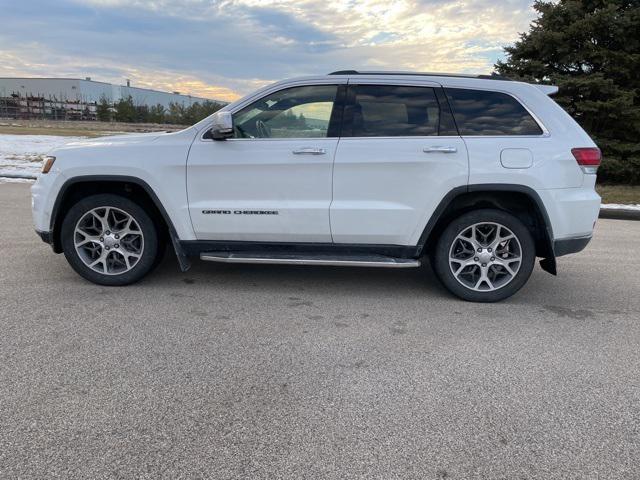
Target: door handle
x=309, y=151
x=439, y=149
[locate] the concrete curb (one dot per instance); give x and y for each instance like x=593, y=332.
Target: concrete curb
x=619, y=214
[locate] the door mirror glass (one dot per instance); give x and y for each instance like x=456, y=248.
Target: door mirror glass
x=222, y=127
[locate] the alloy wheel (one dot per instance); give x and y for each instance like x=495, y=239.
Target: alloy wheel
x=108, y=240
x=485, y=256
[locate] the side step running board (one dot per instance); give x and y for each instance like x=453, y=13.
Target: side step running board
x=311, y=259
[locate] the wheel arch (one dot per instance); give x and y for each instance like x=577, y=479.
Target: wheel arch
x=133, y=188
x=519, y=200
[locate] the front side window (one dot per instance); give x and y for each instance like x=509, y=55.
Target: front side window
x=298, y=112
x=393, y=111
x=480, y=112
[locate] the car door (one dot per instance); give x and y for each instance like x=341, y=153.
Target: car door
x=399, y=156
x=272, y=180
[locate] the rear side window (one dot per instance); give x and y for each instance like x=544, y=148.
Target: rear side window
x=480, y=112
x=393, y=111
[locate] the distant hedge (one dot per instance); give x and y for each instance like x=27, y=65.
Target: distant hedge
x=125, y=110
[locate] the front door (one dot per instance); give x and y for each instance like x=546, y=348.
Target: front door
x=272, y=181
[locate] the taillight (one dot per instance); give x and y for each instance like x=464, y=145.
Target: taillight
x=588, y=158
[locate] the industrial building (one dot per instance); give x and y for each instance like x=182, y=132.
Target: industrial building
x=72, y=98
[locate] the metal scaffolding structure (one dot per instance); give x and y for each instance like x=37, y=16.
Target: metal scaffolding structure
x=40, y=108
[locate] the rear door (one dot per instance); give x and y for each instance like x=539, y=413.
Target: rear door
x=398, y=156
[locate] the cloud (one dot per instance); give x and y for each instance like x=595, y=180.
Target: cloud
x=223, y=48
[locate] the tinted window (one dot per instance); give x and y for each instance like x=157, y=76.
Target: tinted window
x=490, y=113
x=299, y=112
x=392, y=111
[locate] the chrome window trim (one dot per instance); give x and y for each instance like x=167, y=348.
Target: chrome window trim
x=295, y=139
x=404, y=137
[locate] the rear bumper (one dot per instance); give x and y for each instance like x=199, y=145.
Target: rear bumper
x=566, y=246
x=572, y=211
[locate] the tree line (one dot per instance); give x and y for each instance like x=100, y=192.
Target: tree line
x=591, y=50
x=125, y=110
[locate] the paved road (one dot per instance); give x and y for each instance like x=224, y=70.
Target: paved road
x=296, y=372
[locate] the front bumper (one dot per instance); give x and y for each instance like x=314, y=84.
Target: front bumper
x=566, y=246
x=44, y=192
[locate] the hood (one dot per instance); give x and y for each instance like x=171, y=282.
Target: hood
x=125, y=138
x=116, y=140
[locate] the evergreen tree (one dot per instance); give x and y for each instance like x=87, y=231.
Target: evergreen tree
x=209, y=107
x=156, y=114
x=176, y=114
x=302, y=121
x=125, y=110
x=142, y=114
x=197, y=111
x=103, y=110
x=191, y=114
x=591, y=50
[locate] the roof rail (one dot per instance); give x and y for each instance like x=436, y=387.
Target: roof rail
x=418, y=74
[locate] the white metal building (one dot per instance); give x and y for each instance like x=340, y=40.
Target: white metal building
x=89, y=91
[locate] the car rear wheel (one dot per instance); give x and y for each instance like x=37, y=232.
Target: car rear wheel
x=109, y=240
x=484, y=255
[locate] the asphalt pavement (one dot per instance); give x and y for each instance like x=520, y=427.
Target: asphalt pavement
x=270, y=372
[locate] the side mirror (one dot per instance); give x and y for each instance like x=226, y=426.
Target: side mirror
x=222, y=127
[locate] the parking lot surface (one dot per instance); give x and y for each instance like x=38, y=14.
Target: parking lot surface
x=241, y=371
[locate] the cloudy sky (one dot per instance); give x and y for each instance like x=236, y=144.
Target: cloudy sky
x=225, y=48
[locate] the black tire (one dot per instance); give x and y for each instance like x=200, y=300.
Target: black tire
x=440, y=256
x=149, y=255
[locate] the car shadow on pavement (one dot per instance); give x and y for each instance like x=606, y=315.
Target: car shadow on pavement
x=327, y=279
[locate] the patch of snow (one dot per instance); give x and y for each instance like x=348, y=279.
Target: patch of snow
x=16, y=180
x=22, y=154
x=618, y=206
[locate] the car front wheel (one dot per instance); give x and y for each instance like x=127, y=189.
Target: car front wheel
x=109, y=240
x=484, y=255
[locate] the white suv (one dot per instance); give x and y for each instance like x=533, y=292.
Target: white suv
x=370, y=169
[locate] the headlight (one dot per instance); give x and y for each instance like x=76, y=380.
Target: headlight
x=47, y=163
